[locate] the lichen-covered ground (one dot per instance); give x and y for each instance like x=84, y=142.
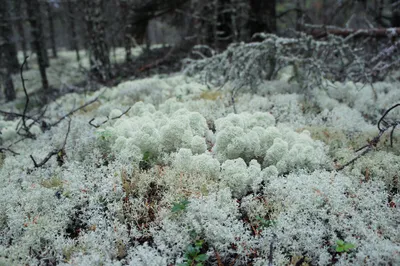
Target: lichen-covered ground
x=181, y=180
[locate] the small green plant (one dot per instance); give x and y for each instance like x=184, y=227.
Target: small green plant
x=193, y=255
x=104, y=135
x=265, y=223
x=180, y=206
x=147, y=161
x=343, y=246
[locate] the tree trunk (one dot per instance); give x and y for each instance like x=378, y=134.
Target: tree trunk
x=34, y=18
x=7, y=45
x=263, y=16
x=99, y=52
x=20, y=28
x=43, y=39
x=51, y=29
x=126, y=18
x=71, y=21
x=395, y=20
x=299, y=15
x=9, y=90
x=6, y=77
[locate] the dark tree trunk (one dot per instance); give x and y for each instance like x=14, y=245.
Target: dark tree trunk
x=71, y=22
x=34, y=18
x=299, y=15
x=7, y=45
x=126, y=19
x=51, y=29
x=43, y=39
x=225, y=27
x=7, y=51
x=9, y=90
x=263, y=16
x=395, y=20
x=378, y=8
x=99, y=52
x=20, y=28
x=219, y=32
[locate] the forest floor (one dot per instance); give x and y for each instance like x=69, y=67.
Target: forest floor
x=157, y=168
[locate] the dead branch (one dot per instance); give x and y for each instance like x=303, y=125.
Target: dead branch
x=218, y=258
x=271, y=250
x=102, y=123
x=383, y=126
x=96, y=126
x=77, y=109
x=11, y=115
x=24, y=126
x=9, y=146
x=8, y=149
x=59, y=152
x=157, y=62
x=320, y=31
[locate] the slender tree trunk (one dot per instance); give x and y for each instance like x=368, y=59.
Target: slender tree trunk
x=51, y=29
x=215, y=23
x=7, y=51
x=9, y=90
x=34, y=18
x=7, y=45
x=99, y=52
x=71, y=22
x=263, y=16
x=395, y=20
x=126, y=18
x=20, y=28
x=299, y=15
x=43, y=39
x=226, y=26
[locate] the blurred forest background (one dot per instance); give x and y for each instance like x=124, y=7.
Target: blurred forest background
x=96, y=28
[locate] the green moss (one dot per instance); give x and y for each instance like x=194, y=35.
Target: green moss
x=54, y=182
x=121, y=249
x=69, y=251
x=210, y=95
x=338, y=139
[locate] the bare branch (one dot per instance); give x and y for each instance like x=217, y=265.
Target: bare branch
x=374, y=142
x=77, y=109
x=24, y=126
x=114, y=118
x=54, y=152
x=93, y=125
x=320, y=31
x=8, y=149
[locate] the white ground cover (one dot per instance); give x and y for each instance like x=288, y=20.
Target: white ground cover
x=236, y=183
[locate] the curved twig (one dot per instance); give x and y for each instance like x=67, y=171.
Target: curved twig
x=374, y=142
x=114, y=118
x=55, y=151
x=24, y=126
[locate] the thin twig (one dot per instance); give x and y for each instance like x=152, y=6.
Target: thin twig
x=25, y=127
x=374, y=142
x=54, y=152
x=93, y=125
x=8, y=149
x=77, y=109
x=271, y=250
x=15, y=114
x=218, y=258
x=114, y=118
